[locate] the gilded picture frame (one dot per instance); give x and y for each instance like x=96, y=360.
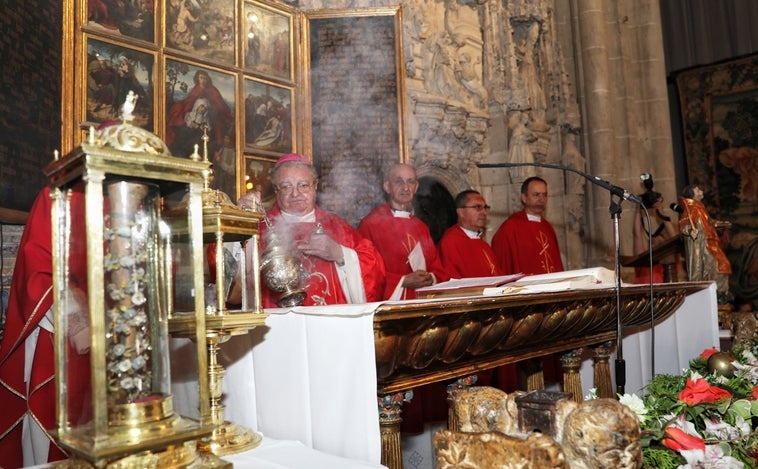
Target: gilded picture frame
x=269, y=119
x=134, y=19
x=198, y=98
x=112, y=70
x=202, y=29
x=258, y=178
x=267, y=48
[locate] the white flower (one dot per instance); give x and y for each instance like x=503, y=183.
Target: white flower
x=720, y=430
x=715, y=459
x=636, y=404
x=592, y=395
x=694, y=375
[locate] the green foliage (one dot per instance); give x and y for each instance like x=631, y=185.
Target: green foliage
x=661, y=458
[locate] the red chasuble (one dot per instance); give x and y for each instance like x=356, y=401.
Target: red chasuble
x=528, y=247
x=394, y=238
x=31, y=296
x=467, y=257
x=323, y=285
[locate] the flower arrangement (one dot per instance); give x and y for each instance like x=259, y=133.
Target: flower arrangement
x=704, y=418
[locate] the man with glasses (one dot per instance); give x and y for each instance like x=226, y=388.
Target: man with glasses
x=341, y=266
x=526, y=241
x=463, y=251
x=403, y=240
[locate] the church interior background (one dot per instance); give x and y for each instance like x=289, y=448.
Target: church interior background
x=586, y=84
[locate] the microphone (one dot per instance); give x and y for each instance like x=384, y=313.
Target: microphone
x=615, y=190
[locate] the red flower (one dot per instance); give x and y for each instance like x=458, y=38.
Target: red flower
x=754, y=393
x=700, y=392
x=708, y=352
x=679, y=440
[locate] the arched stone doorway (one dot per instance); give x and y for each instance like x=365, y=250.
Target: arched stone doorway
x=433, y=204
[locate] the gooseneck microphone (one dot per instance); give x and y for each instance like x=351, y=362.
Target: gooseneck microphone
x=615, y=190
x=615, y=210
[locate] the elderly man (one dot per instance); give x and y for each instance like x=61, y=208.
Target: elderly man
x=526, y=241
x=463, y=251
x=403, y=240
x=340, y=265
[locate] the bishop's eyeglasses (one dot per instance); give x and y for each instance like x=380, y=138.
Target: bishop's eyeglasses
x=302, y=187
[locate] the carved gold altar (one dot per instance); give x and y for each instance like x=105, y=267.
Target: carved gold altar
x=423, y=342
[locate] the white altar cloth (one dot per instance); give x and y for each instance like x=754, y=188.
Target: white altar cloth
x=680, y=338
x=309, y=375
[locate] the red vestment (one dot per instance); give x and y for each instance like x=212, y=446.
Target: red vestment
x=529, y=247
x=31, y=296
x=467, y=257
x=322, y=285
x=394, y=238
x=696, y=216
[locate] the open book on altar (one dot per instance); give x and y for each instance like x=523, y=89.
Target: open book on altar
x=470, y=286
x=595, y=277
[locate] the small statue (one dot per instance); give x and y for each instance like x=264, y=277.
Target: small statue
x=705, y=257
x=127, y=109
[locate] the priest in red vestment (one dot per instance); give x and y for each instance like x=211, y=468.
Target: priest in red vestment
x=466, y=254
x=340, y=265
x=463, y=251
x=526, y=242
x=27, y=362
x=404, y=241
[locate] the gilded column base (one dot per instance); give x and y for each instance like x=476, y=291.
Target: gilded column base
x=390, y=408
x=229, y=438
x=572, y=380
x=183, y=456
x=535, y=380
x=602, y=371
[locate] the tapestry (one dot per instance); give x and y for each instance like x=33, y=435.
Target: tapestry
x=719, y=105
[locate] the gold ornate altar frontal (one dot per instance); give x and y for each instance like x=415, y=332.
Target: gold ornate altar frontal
x=423, y=342
x=429, y=341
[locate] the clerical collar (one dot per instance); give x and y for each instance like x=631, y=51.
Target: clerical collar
x=471, y=233
x=400, y=213
x=290, y=218
x=531, y=217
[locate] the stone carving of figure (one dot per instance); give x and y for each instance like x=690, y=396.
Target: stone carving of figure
x=705, y=257
x=518, y=145
x=466, y=72
x=602, y=433
x=528, y=51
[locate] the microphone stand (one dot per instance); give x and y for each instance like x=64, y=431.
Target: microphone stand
x=615, y=209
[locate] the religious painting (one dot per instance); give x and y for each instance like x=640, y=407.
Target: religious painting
x=112, y=71
x=203, y=29
x=199, y=101
x=719, y=105
x=135, y=19
x=268, y=41
x=268, y=117
x=258, y=178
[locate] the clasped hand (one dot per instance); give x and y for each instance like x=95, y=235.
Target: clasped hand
x=418, y=279
x=323, y=246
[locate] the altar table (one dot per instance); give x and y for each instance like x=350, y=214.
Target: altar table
x=313, y=374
